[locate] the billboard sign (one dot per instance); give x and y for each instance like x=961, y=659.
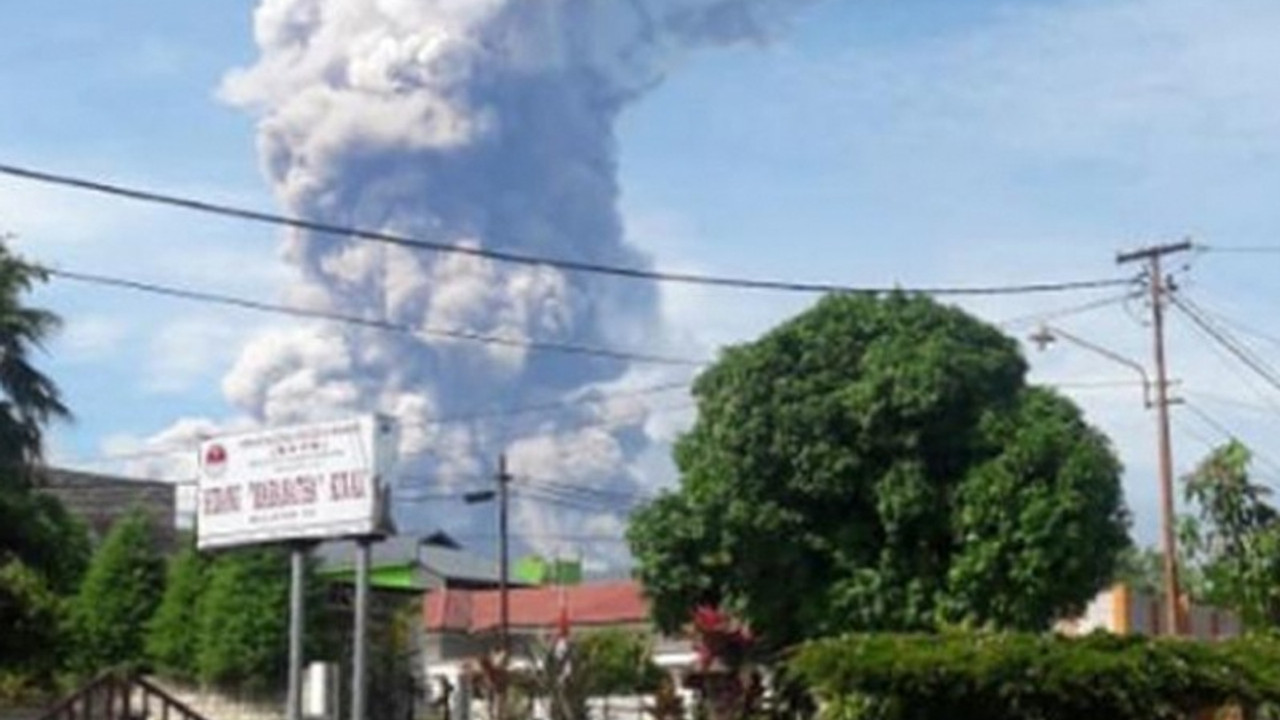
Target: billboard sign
x=309, y=482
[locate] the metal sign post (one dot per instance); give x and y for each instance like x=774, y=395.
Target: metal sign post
x=297, y=562
x=360, y=641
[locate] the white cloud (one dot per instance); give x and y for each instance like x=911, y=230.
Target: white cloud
x=87, y=338
x=192, y=350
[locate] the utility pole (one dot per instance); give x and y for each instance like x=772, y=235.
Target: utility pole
x=504, y=478
x=1155, y=279
x=504, y=601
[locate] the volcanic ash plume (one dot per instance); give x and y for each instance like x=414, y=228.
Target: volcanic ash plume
x=485, y=123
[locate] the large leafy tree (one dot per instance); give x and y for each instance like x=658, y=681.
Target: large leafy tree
x=242, y=619
x=43, y=550
x=119, y=595
x=172, y=640
x=1233, y=542
x=34, y=529
x=881, y=463
x=30, y=399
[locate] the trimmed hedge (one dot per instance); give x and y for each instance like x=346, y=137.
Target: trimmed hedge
x=973, y=676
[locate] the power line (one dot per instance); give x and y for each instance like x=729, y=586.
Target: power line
x=383, y=325
x=1241, y=249
x=451, y=420
x=1240, y=326
x=1229, y=343
x=1069, y=311
x=506, y=256
x=1226, y=432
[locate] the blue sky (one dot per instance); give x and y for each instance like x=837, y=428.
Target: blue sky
x=919, y=142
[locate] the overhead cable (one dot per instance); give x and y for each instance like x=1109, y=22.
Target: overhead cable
x=384, y=325
x=511, y=257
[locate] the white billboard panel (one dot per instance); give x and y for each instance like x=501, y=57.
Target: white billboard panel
x=318, y=481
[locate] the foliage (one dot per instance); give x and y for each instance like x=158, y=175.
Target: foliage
x=1142, y=570
x=43, y=550
x=1015, y=677
x=667, y=702
x=36, y=529
x=244, y=619
x=560, y=675
x=616, y=662
x=1234, y=541
x=31, y=615
x=886, y=457
x=726, y=677
x=118, y=597
x=566, y=675
x=30, y=399
x=172, y=635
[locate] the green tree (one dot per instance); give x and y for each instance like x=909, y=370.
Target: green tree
x=881, y=463
x=33, y=528
x=1233, y=542
x=37, y=529
x=244, y=619
x=43, y=550
x=616, y=662
x=30, y=399
x=119, y=595
x=173, y=633
x=31, y=615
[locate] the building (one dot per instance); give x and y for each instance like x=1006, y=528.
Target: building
x=460, y=626
x=99, y=500
x=410, y=564
x=1123, y=610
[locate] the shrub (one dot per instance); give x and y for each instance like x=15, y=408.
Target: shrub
x=1033, y=677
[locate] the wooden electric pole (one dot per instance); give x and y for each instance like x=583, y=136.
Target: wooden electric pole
x=504, y=543
x=1156, y=282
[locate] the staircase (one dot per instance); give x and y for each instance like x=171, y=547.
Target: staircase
x=121, y=696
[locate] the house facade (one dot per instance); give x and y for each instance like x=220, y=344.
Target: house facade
x=1125, y=611
x=460, y=626
x=100, y=500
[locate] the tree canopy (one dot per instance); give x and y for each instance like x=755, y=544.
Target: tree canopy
x=1232, y=543
x=172, y=640
x=43, y=549
x=119, y=595
x=30, y=399
x=882, y=463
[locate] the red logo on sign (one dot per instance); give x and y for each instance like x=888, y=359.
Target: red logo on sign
x=215, y=459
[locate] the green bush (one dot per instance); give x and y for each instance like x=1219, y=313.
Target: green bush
x=1034, y=677
x=173, y=633
x=244, y=620
x=31, y=617
x=118, y=597
x=617, y=662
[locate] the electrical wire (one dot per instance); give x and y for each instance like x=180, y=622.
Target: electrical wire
x=1226, y=432
x=463, y=418
x=1241, y=249
x=510, y=257
x=383, y=325
x=1069, y=311
x=1227, y=342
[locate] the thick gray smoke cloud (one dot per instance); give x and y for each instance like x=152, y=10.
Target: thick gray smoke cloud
x=482, y=122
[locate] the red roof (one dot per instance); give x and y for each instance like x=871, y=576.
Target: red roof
x=475, y=611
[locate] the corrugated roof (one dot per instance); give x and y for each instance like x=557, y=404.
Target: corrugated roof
x=476, y=611
x=405, y=550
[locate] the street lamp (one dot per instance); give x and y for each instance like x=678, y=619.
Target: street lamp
x=1046, y=336
x=1043, y=338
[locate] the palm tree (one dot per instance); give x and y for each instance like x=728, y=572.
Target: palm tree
x=29, y=400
